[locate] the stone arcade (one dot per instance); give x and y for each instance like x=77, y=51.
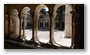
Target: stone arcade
x=55, y=21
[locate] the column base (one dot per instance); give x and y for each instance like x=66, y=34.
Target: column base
x=23, y=38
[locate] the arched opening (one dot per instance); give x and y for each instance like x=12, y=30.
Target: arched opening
x=63, y=25
x=26, y=24
x=44, y=25
x=14, y=24
x=60, y=19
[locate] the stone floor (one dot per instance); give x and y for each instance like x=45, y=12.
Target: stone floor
x=43, y=36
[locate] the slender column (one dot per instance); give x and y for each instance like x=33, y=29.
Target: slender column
x=51, y=29
x=23, y=27
x=37, y=28
x=15, y=26
x=20, y=28
x=33, y=32
x=23, y=18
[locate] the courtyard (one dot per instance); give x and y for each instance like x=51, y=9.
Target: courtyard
x=43, y=37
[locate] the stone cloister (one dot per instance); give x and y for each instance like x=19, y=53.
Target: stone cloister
x=15, y=18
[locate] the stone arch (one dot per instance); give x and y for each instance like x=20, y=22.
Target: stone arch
x=24, y=13
x=38, y=8
x=25, y=10
x=14, y=11
x=36, y=17
x=23, y=17
x=58, y=5
x=68, y=24
x=14, y=24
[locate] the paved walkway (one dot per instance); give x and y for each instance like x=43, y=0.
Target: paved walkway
x=44, y=37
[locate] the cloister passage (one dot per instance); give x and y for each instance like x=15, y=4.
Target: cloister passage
x=27, y=23
x=60, y=22
x=28, y=26
x=59, y=25
x=44, y=25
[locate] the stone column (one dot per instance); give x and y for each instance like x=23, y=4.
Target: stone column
x=23, y=28
x=14, y=26
x=20, y=27
x=36, y=27
x=33, y=32
x=68, y=21
x=35, y=36
x=23, y=18
x=52, y=41
x=37, y=17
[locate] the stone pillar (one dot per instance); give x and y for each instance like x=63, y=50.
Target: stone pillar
x=14, y=26
x=34, y=28
x=23, y=19
x=52, y=17
x=20, y=28
x=68, y=21
x=33, y=31
x=36, y=25
x=35, y=36
x=17, y=25
x=24, y=28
